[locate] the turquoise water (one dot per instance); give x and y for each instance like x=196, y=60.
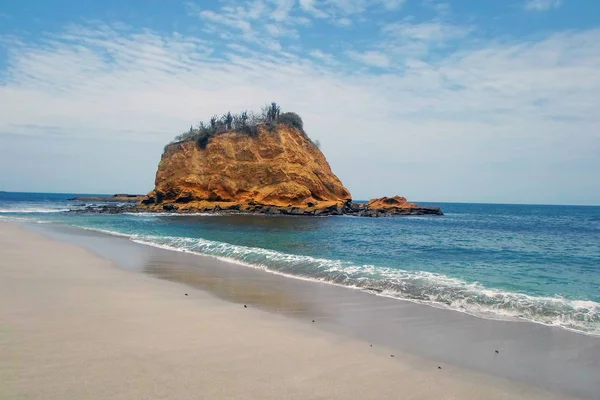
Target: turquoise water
x=538, y=263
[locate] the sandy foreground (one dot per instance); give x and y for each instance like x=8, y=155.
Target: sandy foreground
x=72, y=326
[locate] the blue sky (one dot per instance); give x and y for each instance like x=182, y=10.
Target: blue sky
x=464, y=100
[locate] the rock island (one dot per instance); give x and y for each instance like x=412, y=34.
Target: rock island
x=257, y=163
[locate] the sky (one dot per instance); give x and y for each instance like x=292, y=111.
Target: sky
x=463, y=100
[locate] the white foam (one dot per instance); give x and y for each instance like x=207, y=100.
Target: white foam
x=431, y=288
x=422, y=287
x=31, y=210
x=13, y=218
x=171, y=214
x=106, y=231
x=261, y=267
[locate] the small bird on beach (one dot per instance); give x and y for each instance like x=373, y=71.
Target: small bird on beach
x=186, y=294
x=371, y=345
x=245, y=306
x=313, y=320
x=391, y=355
x=439, y=367
x=497, y=352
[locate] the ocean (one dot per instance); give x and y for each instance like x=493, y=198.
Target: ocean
x=517, y=262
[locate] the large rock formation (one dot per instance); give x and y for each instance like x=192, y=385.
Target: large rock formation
x=276, y=171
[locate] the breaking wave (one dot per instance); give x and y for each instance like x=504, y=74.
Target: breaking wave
x=423, y=287
x=31, y=210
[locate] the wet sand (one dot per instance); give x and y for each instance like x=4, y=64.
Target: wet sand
x=73, y=326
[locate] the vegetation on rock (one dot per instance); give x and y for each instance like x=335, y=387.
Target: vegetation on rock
x=267, y=164
x=244, y=122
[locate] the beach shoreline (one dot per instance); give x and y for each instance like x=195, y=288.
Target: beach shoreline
x=78, y=327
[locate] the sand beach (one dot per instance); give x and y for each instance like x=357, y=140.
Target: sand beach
x=73, y=326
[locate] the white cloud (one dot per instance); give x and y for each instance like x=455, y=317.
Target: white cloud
x=342, y=12
x=442, y=9
x=282, y=9
x=371, y=58
x=233, y=22
x=392, y=4
x=348, y=6
x=255, y=10
x=412, y=39
x=542, y=5
x=309, y=7
x=280, y=31
x=342, y=22
x=529, y=108
x=322, y=56
x=426, y=31
x=257, y=22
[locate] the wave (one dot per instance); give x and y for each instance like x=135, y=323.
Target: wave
x=171, y=214
x=432, y=289
x=8, y=217
x=31, y=210
x=422, y=287
x=108, y=232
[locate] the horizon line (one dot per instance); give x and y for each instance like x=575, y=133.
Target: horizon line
x=358, y=200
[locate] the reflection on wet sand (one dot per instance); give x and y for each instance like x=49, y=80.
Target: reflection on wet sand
x=229, y=288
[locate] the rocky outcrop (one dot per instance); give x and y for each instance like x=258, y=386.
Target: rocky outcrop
x=276, y=171
x=397, y=205
x=390, y=203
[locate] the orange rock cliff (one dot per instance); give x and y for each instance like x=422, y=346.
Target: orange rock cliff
x=276, y=171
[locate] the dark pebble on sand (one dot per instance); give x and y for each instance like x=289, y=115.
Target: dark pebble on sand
x=186, y=294
x=497, y=352
x=391, y=355
x=245, y=306
x=313, y=320
x=439, y=367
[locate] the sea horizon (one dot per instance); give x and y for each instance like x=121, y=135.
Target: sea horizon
x=424, y=202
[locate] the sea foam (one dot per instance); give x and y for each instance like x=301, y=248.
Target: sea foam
x=31, y=210
x=421, y=287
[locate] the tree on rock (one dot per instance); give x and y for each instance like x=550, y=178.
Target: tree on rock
x=228, y=121
x=273, y=112
x=246, y=122
x=291, y=119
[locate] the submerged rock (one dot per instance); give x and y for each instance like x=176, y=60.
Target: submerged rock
x=116, y=198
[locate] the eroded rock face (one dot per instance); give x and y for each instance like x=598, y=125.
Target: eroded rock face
x=280, y=171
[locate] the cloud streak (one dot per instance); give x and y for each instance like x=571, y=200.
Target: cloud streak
x=371, y=58
x=542, y=5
